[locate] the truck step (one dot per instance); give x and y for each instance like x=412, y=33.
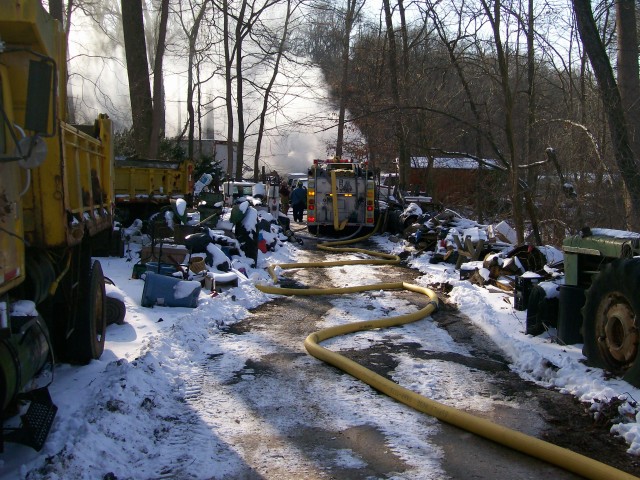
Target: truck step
x=36, y=422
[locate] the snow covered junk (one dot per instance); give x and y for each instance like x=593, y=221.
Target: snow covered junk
x=484, y=254
x=209, y=252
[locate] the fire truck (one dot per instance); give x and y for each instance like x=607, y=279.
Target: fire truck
x=340, y=196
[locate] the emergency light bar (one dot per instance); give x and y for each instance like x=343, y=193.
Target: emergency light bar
x=333, y=160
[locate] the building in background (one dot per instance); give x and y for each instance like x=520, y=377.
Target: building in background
x=454, y=180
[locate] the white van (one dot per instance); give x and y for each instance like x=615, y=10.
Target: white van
x=234, y=191
x=294, y=178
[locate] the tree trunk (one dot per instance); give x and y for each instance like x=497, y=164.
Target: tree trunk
x=193, y=38
x=618, y=130
x=157, y=119
x=531, y=120
x=138, y=74
x=405, y=42
x=404, y=161
x=516, y=193
x=628, y=78
x=344, y=81
x=240, y=27
x=228, y=88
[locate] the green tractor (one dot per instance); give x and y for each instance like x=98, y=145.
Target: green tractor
x=599, y=302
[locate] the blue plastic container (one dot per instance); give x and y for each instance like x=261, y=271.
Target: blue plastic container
x=169, y=291
x=165, y=268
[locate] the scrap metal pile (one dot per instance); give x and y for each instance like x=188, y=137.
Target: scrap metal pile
x=176, y=243
x=487, y=255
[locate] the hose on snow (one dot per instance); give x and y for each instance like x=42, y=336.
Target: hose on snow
x=534, y=447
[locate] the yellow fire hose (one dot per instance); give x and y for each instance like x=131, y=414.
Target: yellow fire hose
x=334, y=197
x=534, y=447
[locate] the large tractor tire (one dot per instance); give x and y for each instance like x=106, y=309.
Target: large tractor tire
x=610, y=320
x=87, y=341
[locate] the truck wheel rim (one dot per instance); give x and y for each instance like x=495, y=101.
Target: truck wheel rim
x=617, y=331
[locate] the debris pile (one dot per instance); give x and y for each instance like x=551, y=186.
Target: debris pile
x=191, y=250
x=486, y=255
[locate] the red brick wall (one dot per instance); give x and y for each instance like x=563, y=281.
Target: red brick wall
x=450, y=186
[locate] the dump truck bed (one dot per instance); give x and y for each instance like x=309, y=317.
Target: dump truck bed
x=157, y=181
x=71, y=192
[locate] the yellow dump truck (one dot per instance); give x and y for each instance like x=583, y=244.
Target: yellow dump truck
x=144, y=186
x=56, y=200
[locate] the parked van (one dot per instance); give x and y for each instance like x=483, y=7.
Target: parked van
x=233, y=191
x=294, y=178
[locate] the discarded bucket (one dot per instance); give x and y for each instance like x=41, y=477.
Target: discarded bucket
x=138, y=270
x=524, y=285
x=197, y=265
x=169, y=291
x=220, y=281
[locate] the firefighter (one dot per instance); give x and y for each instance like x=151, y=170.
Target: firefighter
x=298, y=202
x=284, y=197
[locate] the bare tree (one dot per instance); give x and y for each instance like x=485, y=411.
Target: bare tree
x=248, y=20
x=531, y=116
x=404, y=160
x=191, y=28
x=157, y=118
x=267, y=91
x=243, y=26
x=228, y=80
x=618, y=127
x=350, y=14
x=494, y=16
x=628, y=71
x=138, y=73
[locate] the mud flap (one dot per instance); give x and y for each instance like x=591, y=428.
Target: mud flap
x=36, y=423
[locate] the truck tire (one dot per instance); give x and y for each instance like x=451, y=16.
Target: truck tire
x=87, y=341
x=610, y=329
x=116, y=311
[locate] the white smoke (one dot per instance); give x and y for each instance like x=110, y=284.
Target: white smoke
x=298, y=132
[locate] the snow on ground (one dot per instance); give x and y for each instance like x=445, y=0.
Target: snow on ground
x=141, y=378
x=132, y=412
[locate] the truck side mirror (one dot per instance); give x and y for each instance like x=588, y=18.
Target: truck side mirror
x=32, y=151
